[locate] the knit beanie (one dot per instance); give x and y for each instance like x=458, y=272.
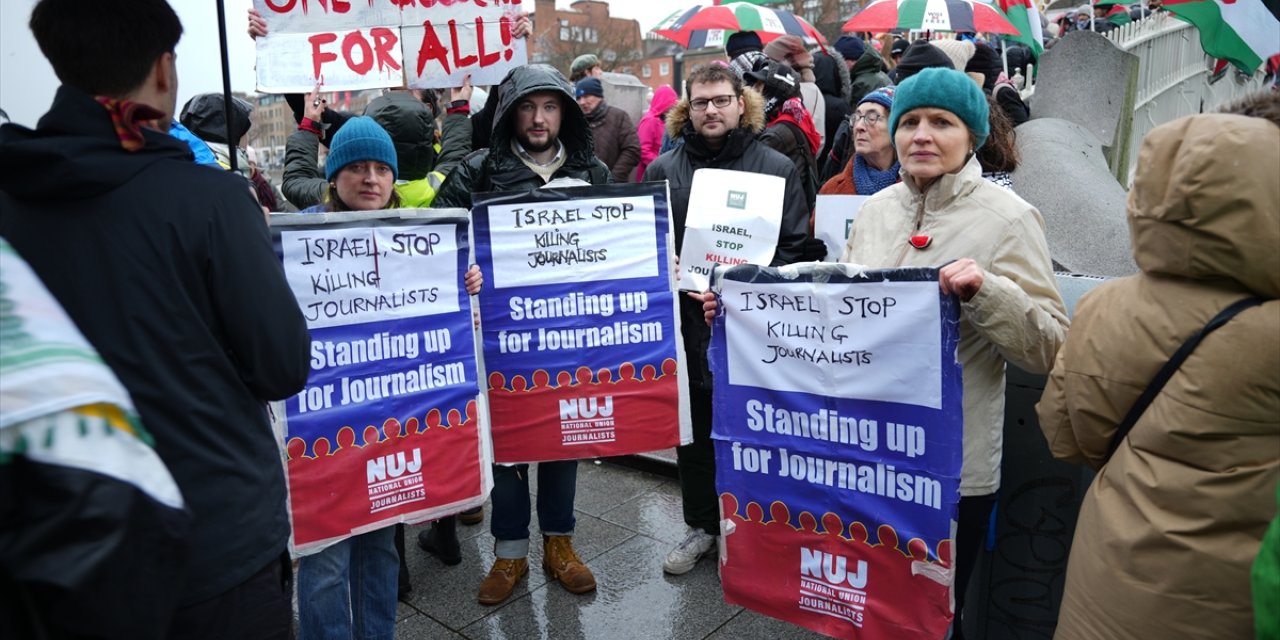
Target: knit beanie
x=588, y=87
x=959, y=51
x=882, y=96
x=358, y=140
x=946, y=89
x=986, y=61
x=740, y=42
x=851, y=47
x=921, y=55
x=583, y=63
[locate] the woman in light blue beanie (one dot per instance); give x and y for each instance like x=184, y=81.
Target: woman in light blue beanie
x=361, y=168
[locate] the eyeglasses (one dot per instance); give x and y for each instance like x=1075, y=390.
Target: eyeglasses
x=700, y=104
x=871, y=118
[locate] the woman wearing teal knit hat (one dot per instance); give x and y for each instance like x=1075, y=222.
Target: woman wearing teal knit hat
x=992, y=253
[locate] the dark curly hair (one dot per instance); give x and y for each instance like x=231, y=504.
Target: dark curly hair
x=1000, y=153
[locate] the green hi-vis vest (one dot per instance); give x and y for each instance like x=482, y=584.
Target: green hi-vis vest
x=420, y=193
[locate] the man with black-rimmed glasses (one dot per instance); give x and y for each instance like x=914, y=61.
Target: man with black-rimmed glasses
x=718, y=119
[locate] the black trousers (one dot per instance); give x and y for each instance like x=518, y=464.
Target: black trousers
x=971, y=530
x=697, y=465
x=260, y=608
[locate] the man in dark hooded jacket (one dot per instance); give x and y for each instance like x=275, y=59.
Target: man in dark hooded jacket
x=716, y=136
x=167, y=269
x=539, y=134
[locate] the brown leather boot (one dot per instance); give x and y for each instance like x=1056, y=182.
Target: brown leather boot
x=502, y=579
x=559, y=560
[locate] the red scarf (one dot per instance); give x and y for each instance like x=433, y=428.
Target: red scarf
x=129, y=117
x=793, y=111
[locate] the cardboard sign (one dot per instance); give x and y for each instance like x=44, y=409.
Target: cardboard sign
x=582, y=349
x=359, y=45
x=837, y=424
x=733, y=219
x=390, y=427
x=833, y=217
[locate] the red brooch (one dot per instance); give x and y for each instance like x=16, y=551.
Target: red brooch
x=921, y=241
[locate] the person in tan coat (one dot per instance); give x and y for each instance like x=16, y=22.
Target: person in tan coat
x=1171, y=524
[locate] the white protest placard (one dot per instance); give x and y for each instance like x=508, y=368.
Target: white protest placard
x=353, y=276
x=833, y=216
x=733, y=219
x=881, y=337
x=572, y=241
x=358, y=45
x=448, y=41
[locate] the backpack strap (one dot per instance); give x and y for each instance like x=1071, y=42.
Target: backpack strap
x=1171, y=367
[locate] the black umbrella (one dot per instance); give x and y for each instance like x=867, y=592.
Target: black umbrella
x=226, y=81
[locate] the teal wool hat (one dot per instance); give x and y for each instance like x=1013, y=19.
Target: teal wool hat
x=947, y=89
x=360, y=139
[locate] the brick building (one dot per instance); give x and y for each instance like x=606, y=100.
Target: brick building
x=560, y=35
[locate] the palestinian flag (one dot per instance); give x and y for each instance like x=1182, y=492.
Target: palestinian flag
x=1026, y=17
x=1243, y=32
x=1117, y=12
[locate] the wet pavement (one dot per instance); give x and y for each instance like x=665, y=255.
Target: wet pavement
x=628, y=518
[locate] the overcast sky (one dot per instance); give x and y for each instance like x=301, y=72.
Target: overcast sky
x=27, y=84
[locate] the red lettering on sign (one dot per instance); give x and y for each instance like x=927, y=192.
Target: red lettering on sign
x=458, y=61
x=504, y=30
x=318, y=57
x=431, y=49
x=486, y=59
x=334, y=6
x=384, y=42
x=353, y=40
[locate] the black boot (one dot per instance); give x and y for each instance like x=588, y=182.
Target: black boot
x=441, y=540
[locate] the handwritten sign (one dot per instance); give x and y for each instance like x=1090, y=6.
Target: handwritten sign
x=386, y=43
x=388, y=428
x=581, y=345
x=833, y=216
x=733, y=219
x=838, y=491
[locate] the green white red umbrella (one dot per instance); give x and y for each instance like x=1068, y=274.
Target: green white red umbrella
x=930, y=15
x=690, y=27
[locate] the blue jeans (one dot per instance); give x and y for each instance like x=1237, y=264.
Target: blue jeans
x=348, y=591
x=509, y=522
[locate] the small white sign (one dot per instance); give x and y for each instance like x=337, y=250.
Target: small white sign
x=867, y=341
x=573, y=241
x=733, y=219
x=833, y=216
x=354, y=276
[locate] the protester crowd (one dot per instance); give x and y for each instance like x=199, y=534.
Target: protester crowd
x=120, y=204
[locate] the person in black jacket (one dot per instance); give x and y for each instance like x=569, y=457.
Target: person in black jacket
x=167, y=269
x=718, y=120
x=539, y=134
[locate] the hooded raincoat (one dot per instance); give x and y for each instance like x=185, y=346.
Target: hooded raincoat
x=652, y=126
x=498, y=168
x=1171, y=524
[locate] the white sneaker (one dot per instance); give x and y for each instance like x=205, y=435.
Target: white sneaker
x=696, y=545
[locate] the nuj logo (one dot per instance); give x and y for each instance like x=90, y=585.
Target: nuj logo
x=393, y=465
x=586, y=408
x=831, y=569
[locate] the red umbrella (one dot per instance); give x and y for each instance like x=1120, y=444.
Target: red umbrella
x=768, y=22
x=930, y=15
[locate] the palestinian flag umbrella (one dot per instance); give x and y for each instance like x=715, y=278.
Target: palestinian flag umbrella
x=768, y=22
x=1025, y=17
x=1243, y=32
x=1117, y=11
x=930, y=15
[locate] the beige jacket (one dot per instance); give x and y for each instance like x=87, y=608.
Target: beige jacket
x=1017, y=316
x=1171, y=524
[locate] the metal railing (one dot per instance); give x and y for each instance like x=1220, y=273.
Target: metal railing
x=1174, y=76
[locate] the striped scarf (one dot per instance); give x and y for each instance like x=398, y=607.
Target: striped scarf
x=128, y=118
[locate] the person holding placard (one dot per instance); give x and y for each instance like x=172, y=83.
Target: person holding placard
x=718, y=120
x=994, y=257
x=539, y=134
x=349, y=589
x=992, y=249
